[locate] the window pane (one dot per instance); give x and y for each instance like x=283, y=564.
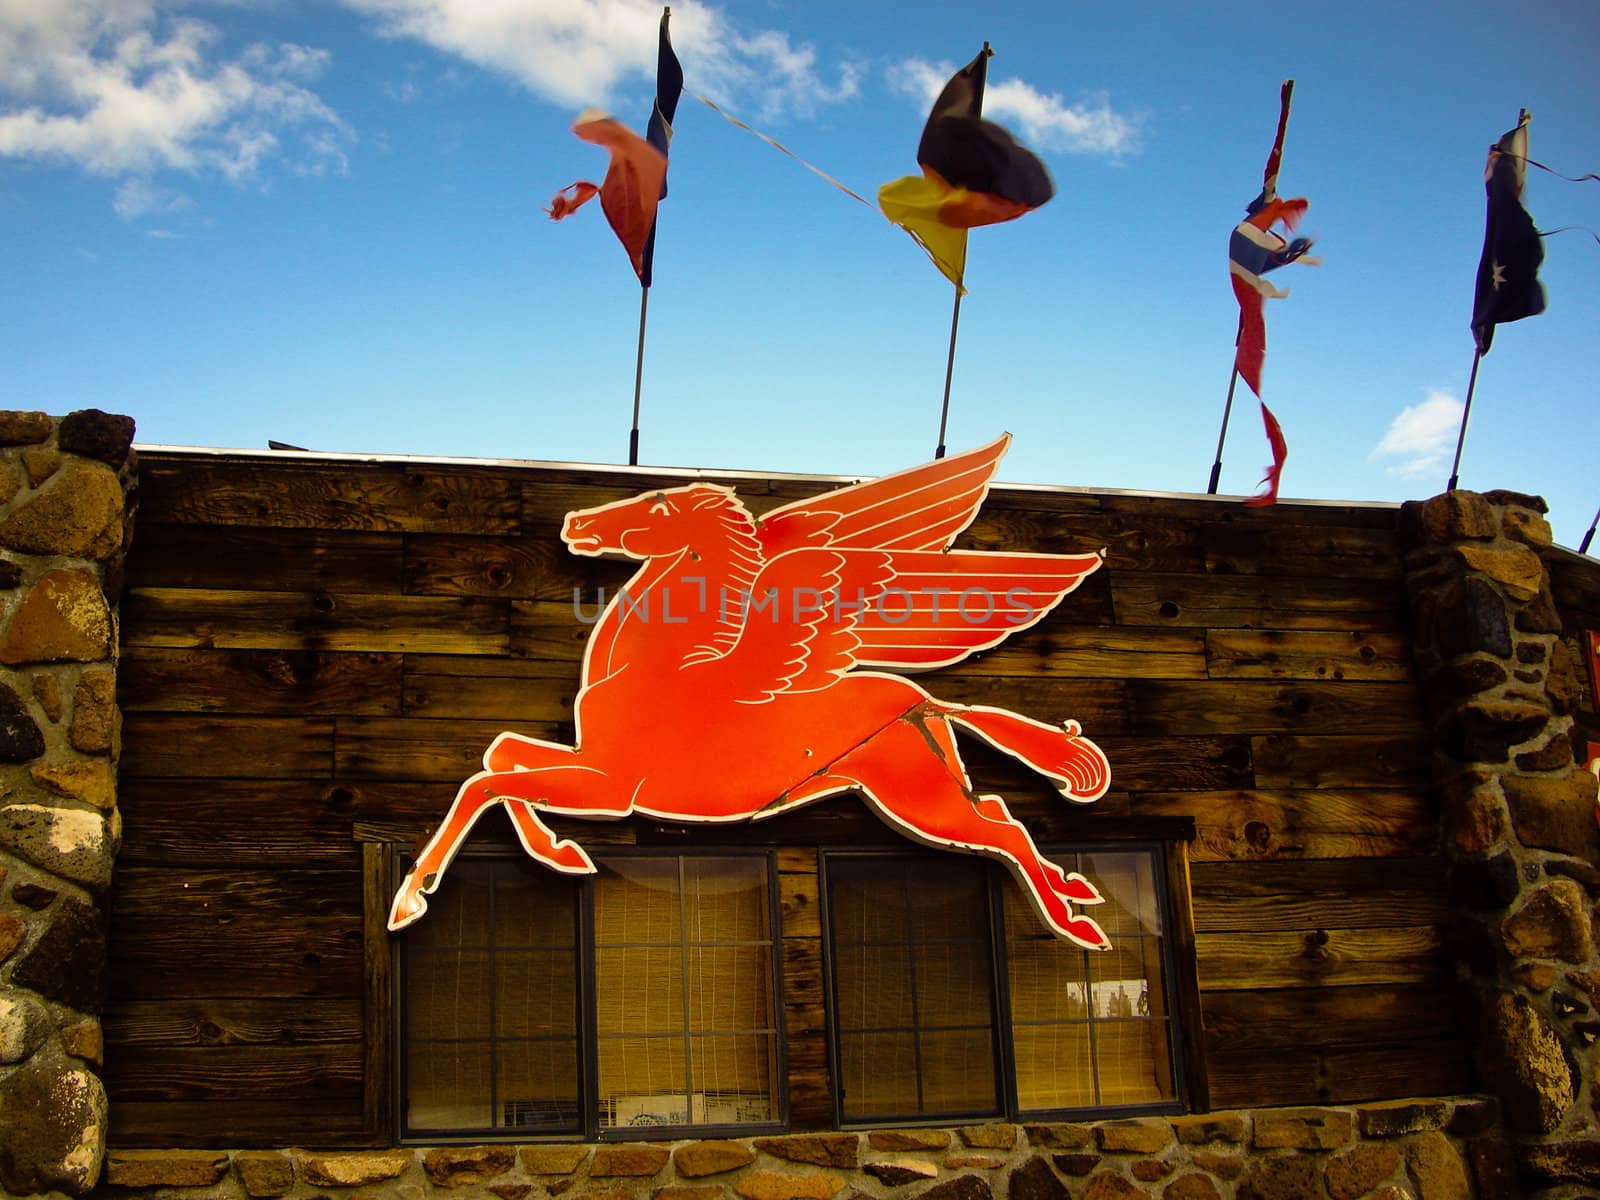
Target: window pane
x=1091, y=1028
x=1054, y=1069
x=448, y=1085
x=912, y=990
x=707, y=969
x=448, y=995
x=536, y=995
x=538, y=1086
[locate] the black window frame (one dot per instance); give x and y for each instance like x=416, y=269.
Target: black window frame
x=588, y=1127
x=1179, y=990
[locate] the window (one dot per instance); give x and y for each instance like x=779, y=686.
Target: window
x=950, y=999
x=534, y=1003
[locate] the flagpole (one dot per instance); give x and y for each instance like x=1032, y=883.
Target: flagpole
x=955, y=313
x=949, y=370
x=1227, y=411
x=1583, y=546
x=638, y=376
x=1466, y=411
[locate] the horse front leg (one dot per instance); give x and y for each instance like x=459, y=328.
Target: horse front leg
x=558, y=778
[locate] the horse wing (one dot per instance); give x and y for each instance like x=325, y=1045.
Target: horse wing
x=939, y=608
x=923, y=508
x=795, y=635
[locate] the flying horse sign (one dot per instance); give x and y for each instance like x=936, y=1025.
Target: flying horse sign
x=741, y=643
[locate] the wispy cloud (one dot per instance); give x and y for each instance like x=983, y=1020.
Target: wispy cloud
x=131, y=87
x=140, y=197
x=1421, y=436
x=582, y=52
x=1045, y=120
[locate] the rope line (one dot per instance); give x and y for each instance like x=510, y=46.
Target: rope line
x=777, y=145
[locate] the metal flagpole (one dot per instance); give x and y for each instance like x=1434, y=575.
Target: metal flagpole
x=1466, y=411
x=638, y=375
x=1583, y=546
x=949, y=369
x=955, y=313
x=1227, y=410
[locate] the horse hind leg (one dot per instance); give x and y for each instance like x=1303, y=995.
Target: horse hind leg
x=921, y=790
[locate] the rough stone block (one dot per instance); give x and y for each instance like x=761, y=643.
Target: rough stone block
x=20, y=738
x=1552, y=756
x=47, y=691
x=1473, y=1115
x=775, y=1185
x=52, y=1129
x=1455, y=515
x=98, y=435
x=1301, y=1129
x=1108, y=1185
x=988, y=1137
x=1552, y=923
x=1032, y=1179
x=264, y=1174
x=1133, y=1137
x=962, y=1187
x=1516, y=569
x=698, y=1159
x=1223, y=1166
x=1394, y=1118
x=1484, y=730
x=67, y=962
x=841, y=1150
x=78, y=514
x=24, y=1025
x=25, y=428
x=1058, y=1136
x=1524, y=1064
x=68, y=842
x=40, y=462
x=1151, y=1170
x=94, y=712
x=63, y=618
x=1293, y=1178
x=84, y=1040
x=1358, y=1170
x=1076, y=1165
x=355, y=1169
x=91, y=782
x=1555, y=1163
x=1478, y=820
x=466, y=1166
x=1525, y=526
x=1192, y=1186
x=982, y=1162
x=1540, y=614
x=682, y=1191
x=1436, y=1169
x=1561, y=683
x=12, y=932
x=634, y=1160
x=1470, y=618
x=165, y=1168
x=1487, y=883
x=553, y=1160
x=899, y=1173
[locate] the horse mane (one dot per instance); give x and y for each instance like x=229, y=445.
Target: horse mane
x=744, y=562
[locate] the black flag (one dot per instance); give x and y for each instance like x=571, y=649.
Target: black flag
x=1508, y=273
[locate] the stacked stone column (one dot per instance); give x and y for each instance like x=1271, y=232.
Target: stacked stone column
x=65, y=515
x=1518, y=819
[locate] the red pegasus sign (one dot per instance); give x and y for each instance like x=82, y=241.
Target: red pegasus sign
x=724, y=682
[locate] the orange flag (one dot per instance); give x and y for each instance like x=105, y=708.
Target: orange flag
x=631, y=189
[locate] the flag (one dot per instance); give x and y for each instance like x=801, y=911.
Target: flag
x=1508, y=271
x=631, y=189
x=669, y=86
x=973, y=173
x=1254, y=250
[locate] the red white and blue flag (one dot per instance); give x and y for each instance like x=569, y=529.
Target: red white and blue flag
x=1254, y=250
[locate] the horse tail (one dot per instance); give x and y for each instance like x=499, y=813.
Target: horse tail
x=1060, y=752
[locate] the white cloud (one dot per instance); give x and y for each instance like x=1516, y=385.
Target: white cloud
x=580, y=52
x=1422, y=436
x=138, y=197
x=1044, y=121
x=120, y=87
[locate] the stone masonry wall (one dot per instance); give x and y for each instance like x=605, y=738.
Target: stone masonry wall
x=65, y=515
x=1396, y=1150
x=1519, y=819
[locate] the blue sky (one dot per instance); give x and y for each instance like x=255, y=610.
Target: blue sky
x=320, y=223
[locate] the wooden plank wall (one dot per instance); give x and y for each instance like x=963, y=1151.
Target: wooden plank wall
x=315, y=653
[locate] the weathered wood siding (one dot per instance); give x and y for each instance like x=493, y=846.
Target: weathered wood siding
x=315, y=653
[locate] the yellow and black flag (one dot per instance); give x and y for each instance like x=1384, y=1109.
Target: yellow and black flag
x=973, y=173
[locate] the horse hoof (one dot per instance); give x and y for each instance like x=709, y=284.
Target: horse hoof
x=409, y=904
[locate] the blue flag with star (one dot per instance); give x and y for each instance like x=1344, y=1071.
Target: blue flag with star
x=1508, y=273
